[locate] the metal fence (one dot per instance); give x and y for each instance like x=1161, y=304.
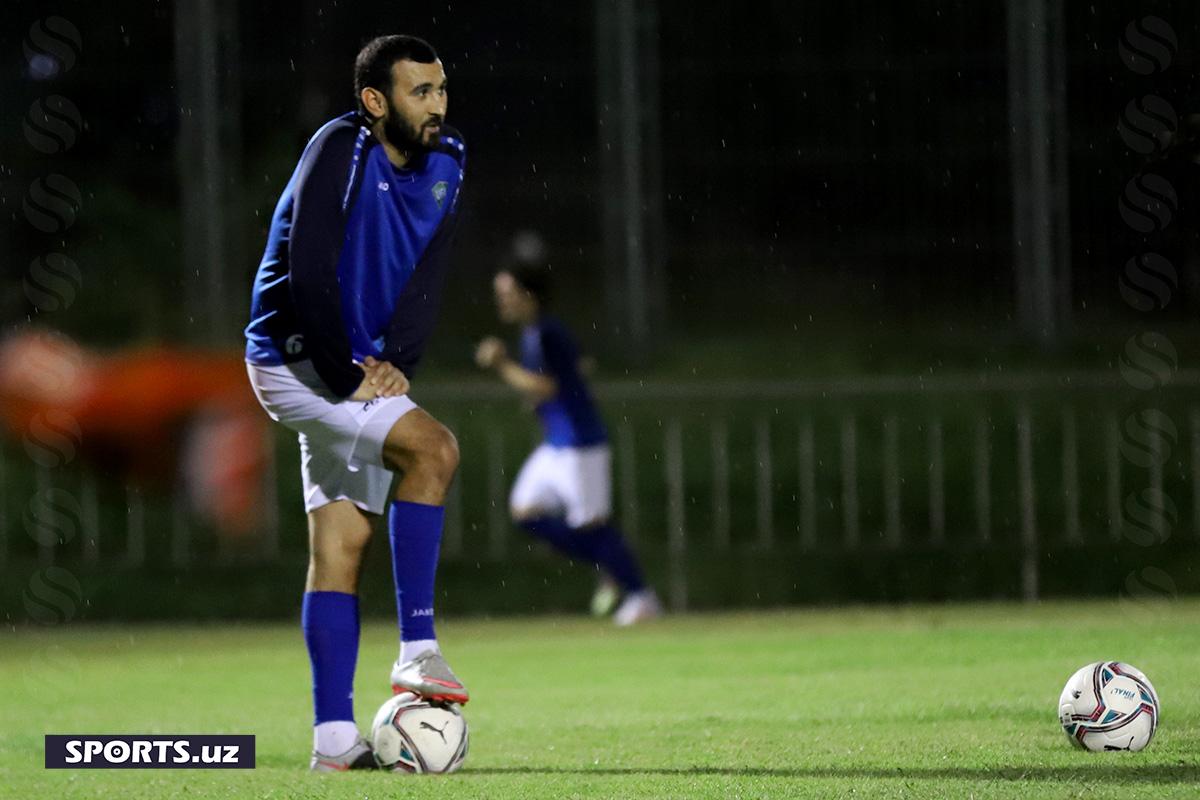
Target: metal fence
x=1021, y=463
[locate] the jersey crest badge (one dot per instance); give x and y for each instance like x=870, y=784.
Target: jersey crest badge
x=439, y=192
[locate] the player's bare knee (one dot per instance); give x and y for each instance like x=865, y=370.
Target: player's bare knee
x=439, y=458
x=419, y=443
x=447, y=455
x=352, y=546
x=337, y=553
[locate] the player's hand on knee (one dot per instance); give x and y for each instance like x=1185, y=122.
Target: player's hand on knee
x=386, y=377
x=394, y=383
x=490, y=351
x=365, y=392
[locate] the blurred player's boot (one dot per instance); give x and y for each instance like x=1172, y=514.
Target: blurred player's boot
x=359, y=756
x=429, y=676
x=605, y=598
x=638, y=607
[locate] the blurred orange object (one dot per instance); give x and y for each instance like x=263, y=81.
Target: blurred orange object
x=153, y=417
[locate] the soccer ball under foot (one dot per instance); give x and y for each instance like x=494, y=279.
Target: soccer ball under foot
x=1109, y=705
x=414, y=735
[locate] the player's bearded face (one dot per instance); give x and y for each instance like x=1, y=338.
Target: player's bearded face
x=403, y=134
x=417, y=106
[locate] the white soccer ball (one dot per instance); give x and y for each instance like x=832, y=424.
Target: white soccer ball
x=414, y=735
x=1109, y=705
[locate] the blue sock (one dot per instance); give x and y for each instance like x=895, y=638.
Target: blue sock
x=614, y=555
x=330, y=623
x=416, y=533
x=603, y=546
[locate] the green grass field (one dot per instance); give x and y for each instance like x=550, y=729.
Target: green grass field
x=910, y=702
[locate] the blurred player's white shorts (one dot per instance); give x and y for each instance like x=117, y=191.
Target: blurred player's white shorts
x=341, y=441
x=572, y=482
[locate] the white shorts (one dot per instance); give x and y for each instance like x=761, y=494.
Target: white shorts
x=341, y=441
x=573, y=482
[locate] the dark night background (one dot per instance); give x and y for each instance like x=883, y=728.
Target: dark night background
x=839, y=161
x=831, y=200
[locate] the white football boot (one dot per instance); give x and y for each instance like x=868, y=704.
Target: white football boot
x=638, y=607
x=359, y=756
x=429, y=676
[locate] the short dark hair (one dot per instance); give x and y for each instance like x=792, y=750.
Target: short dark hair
x=533, y=279
x=373, y=65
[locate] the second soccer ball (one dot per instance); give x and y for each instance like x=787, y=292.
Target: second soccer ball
x=1109, y=705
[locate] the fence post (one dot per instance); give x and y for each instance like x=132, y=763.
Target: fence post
x=497, y=500
x=627, y=457
x=1028, y=495
x=1194, y=417
x=720, y=461
x=762, y=452
x=1070, y=477
x=983, y=481
x=181, y=532
x=1158, y=456
x=937, y=483
x=46, y=538
x=90, y=505
x=808, y=486
x=891, y=480
x=676, y=520
x=850, y=481
x=135, y=525
x=1112, y=460
x=4, y=509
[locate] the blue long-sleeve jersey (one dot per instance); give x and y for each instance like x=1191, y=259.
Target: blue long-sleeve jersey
x=356, y=256
x=569, y=418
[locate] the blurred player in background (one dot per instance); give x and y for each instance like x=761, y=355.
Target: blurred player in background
x=345, y=298
x=563, y=493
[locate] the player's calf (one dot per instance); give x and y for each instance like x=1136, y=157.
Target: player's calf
x=426, y=452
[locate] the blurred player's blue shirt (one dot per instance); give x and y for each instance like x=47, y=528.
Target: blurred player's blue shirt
x=569, y=418
x=356, y=255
